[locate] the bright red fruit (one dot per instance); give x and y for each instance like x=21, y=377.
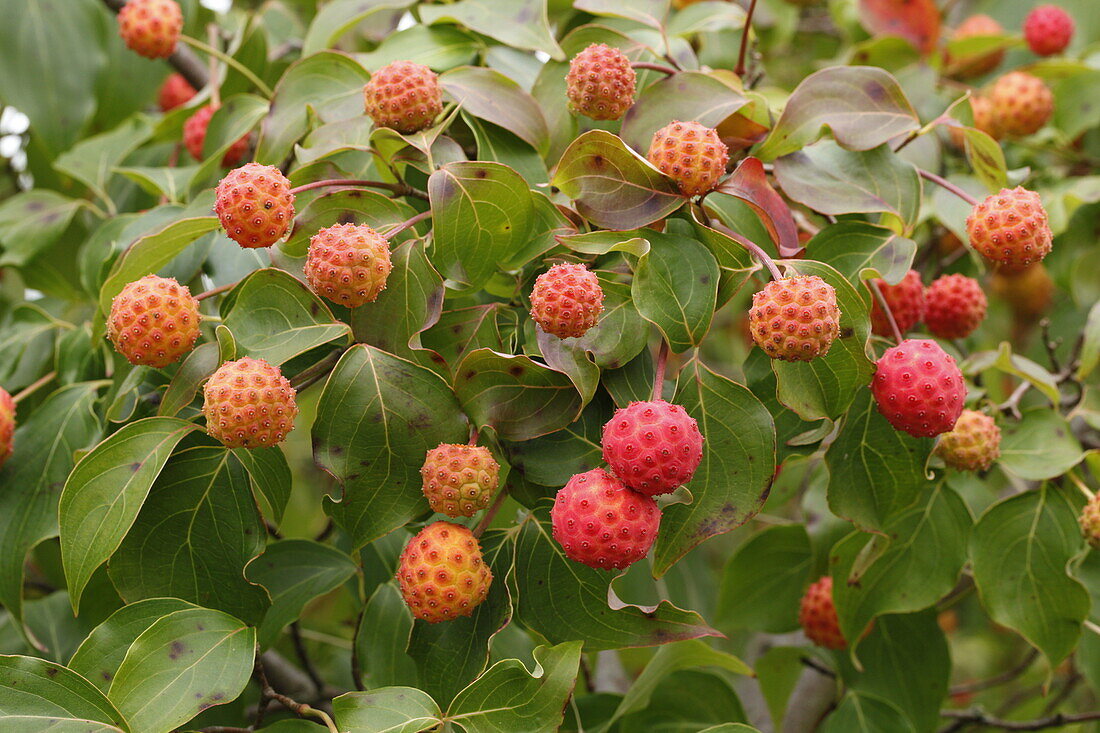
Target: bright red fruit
x=600, y=83
x=603, y=524
x=1048, y=29
x=567, y=300
x=906, y=301
x=817, y=615
x=954, y=306
x=652, y=447
x=919, y=388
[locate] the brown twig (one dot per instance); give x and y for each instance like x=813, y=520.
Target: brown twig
x=740, y=68
x=997, y=680
x=397, y=189
x=817, y=667
x=659, y=373
x=947, y=185
x=979, y=717
x=886, y=309
x=33, y=387
x=301, y=709
x=304, y=658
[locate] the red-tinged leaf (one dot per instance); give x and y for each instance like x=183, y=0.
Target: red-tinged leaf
x=917, y=21
x=740, y=132
x=750, y=184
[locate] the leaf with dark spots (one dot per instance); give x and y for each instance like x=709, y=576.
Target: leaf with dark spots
x=175, y=650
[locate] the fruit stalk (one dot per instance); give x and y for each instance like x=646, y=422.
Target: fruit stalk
x=886, y=310
x=654, y=67
x=659, y=374
x=740, y=68
x=246, y=72
x=752, y=247
x=948, y=185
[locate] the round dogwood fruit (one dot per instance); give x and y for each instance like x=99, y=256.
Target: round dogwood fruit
x=153, y=321
x=1048, y=29
x=795, y=319
x=248, y=403
x=690, y=154
x=151, y=28
x=652, y=447
x=817, y=615
x=919, y=388
x=906, y=302
x=1022, y=103
x=459, y=480
x=600, y=83
x=600, y=522
x=1011, y=229
x=194, y=138
x=254, y=205
x=403, y=96
x=348, y=264
x=973, y=444
x=954, y=306
x=566, y=300
x=442, y=574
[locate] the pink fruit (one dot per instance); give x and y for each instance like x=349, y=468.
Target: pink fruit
x=567, y=300
x=600, y=83
x=255, y=205
x=919, y=388
x=906, y=301
x=817, y=615
x=954, y=306
x=603, y=524
x=403, y=96
x=1048, y=29
x=652, y=447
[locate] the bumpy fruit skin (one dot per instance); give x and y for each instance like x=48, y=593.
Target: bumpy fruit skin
x=906, y=301
x=973, y=444
x=954, y=306
x=7, y=425
x=919, y=388
x=348, y=264
x=194, y=137
x=403, y=96
x=151, y=28
x=600, y=522
x=249, y=404
x=442, y=574
x=817, y=615
x=255, y=205
x=652, y=447
x=459, y=480
x=977, y=25
x=174, y=92
x=1048, y=29
x=1029, y=292
x=795, y=319
x=1022, y=103
x=600, y=83
x=1011, y=229
x=690, y=154
x=1090, y=522
x=154, y=321
x=567, y=300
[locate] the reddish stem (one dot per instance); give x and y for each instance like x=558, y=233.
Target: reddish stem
x=948, y=185
x=764, y=258
x=654, y=67
x=492, y=512
x=740, y=69
x=34, y=387
x=886, y=309
x=659, y=374
x=215, y=291
x=411, y=222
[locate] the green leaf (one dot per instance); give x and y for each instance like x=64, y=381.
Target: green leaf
x=336, y=19
x=32, y=221
x=329, y=83
x=196, y=368
x=197, y=531
x=552, y=459
x=646, y=12
x=834, y=181
x=826, y=386
x=732, y=481
x=508, y=697
x=36, y=687
x=481, y=212
x=913, y=566
x=295, y=572
x=519, y=398
x=986, y=158
x=762, y=583
x=183, y=664
x=269, y=475
x=518, y=23
x=675, y=287
x=53, y=82
x=611, y=185
x=1041, y=446
x=400, y=410
x=690, y=654
x=411, y=302
x=563, y=600
x=386, y=710
x=1019, y=550
x=1090, y=346
x=26, y=345
x=859, y=250
x=1018, y=366
x=346, y=206
x=152, y=252
x=862, y=713
x=437, y=47
x=106, y=490
x=44, y=444
x=273, y=316
x=576, y=363
x=694, y=95
x=688, y=701
x=875, y=472
x=383, y=637
x=863, y=106
x=93, y=160
x=51, y=724
x=493, y=97
x=906, y=661
x=172, y=183
x=101, y=653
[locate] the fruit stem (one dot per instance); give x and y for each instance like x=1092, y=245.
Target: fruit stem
x=227, y=59
x=885, y=309
x=215, y=89
x=1072, y=476
x=948, y=185
x=498, y=502
x=475, y=433
x=33, y=387
x=654, y=67
x=398, y=189
x=752, y=247
x=659, y=373
x=408, y=223
x=215, y=291
x=740, y=68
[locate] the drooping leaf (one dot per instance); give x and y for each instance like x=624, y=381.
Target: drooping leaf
x=859, y=250
x=30, y=686
x=386, y=710
x=335, y=19
x=750, y=184
x=862, y=713
x=1041, y=446
x=32, y=221
x=1019, y=550
x=675, y=287
x=383, y=638
x=518, y=23
x=400, y=410
x=92, y=161
x=106, y=490
x=493, y=97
